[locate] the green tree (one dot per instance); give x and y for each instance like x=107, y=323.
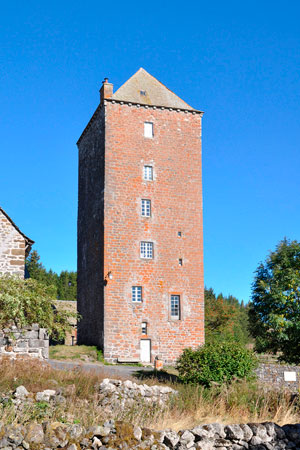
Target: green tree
x=225, y=319
x=274, y=313
x=24, y=302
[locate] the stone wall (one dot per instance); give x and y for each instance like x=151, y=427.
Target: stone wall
x=30, y=341
x=12, y=248
x=279, y=376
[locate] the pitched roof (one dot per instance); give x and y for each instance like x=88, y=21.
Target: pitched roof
x=28, y=241
x=144, y=89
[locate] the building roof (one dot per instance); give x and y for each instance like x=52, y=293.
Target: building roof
x=144, y=89
x=29, y=242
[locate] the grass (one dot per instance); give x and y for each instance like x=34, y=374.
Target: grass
x=237, y=403
x=76, y=353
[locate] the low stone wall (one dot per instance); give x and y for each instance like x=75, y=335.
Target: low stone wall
x=277, y=376
x=120, y=435
x=116, y=394
x=31, y=341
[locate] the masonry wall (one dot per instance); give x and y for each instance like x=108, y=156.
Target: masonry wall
x=30, y=341
x=176, y=200
x=12, y=249
x=279, y=376
x=90, y=233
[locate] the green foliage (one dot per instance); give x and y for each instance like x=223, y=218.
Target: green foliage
x=275, y=309
x=24, y=302
x=216, y=363
x=226, y=319
x=65, y=284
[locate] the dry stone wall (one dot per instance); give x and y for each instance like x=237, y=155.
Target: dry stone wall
x=12, y=249
x=278, y=376
x=30, y=341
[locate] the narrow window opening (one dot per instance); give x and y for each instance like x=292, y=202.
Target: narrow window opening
x=144, y=328
x=143, y=92
x=146, y=208
x=136, y=294
x=175, y=307
x=148, y=173
x=179, y=234
x=180, y=261
x=148, y=129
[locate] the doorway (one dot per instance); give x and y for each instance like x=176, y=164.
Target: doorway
x=145, y=350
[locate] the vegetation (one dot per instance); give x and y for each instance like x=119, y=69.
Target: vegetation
x=225, y=318
x=76, y=353
x=64, y=285
x=235, y=403
x=216, y=363
x=24, y=302
x=275, y=309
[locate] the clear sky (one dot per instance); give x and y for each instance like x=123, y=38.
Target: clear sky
x=239, y=61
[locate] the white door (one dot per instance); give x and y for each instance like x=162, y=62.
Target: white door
x=145, y=345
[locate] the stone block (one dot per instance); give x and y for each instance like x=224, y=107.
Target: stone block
x=31, y=334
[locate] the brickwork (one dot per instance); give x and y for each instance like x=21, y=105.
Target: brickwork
x=174, y=152
x=30, y=341
x=13, y=247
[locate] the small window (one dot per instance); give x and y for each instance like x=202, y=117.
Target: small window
x=179, y=234
x=143, y=93
x=148, y=173
x=148, y=129
x=180, y=261
x=144, y=328
x=136, y=293
x=146, y=208
x=146, y=250
x=175, y=307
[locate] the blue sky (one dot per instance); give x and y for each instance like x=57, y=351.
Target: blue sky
x=237, y=61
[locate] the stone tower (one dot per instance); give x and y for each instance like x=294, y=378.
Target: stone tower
x=140, y=246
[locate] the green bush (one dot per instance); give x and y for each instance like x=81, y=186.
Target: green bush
x=24, y=302
x=216, y=363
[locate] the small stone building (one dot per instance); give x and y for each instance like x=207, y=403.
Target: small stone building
x=14, y=247
x=140, y=247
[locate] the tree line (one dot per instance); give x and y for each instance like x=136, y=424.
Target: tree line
x=64, y=285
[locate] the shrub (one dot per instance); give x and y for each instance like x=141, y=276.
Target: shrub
x=24, y=302
x=216, y=363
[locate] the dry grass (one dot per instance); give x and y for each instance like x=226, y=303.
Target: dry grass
x=240, y=402
x=75, y=353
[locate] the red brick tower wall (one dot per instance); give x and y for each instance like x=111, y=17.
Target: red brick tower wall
x=176, y=202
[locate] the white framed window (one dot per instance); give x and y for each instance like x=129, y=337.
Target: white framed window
x=146, y=207
x=175, y=307
x=136, y=294
x=146, y=250
x=148, y=173
x=144, y=328
x=148, y=129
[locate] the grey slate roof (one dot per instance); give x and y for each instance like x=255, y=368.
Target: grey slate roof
x=144, y=89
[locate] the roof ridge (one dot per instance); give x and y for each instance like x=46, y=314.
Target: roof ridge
x=30, y=241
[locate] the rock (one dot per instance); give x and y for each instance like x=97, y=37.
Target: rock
x=234, y=432
x=45, y=396
x=99, y=431
x=137, y=433
x=21, y=392
x=248, y=433
x=72, y=447
x=186, y=438
x=206, y=444
x=76, y=431
x=171, y=438
x=96, y=443
x=35, y=434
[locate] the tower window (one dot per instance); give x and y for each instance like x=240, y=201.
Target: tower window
x=144, y=328
x=146, y=208
x=146, y=250
x=148, y=129
x=175, y=307
x=148, y=173
x=180, y=261
x=179, y=234
x=143, y=92
x=136, y=293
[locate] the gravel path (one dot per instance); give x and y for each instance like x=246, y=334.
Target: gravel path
x=108, y=371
